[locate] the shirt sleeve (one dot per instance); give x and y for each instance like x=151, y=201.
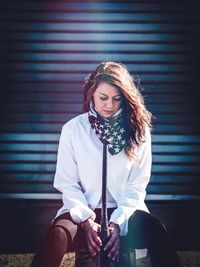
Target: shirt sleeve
x=135, y=190
x=67, y=178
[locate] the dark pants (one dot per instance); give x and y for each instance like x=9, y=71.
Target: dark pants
x=144, y=231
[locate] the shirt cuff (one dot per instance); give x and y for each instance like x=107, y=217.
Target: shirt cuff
x=80, y=214
x=121, y=218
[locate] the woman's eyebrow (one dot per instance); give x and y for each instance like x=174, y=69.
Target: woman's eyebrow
x=107, y=95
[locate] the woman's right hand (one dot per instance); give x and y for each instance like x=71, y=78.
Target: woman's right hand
x=92, y=231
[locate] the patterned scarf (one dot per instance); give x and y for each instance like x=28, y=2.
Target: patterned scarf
x=111, y=130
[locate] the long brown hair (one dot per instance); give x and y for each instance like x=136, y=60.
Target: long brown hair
x=137, y=116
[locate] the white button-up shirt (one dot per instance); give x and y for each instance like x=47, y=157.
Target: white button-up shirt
x=79, y=174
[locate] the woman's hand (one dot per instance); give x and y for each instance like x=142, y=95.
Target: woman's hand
x=92, y=231
x=113, y=244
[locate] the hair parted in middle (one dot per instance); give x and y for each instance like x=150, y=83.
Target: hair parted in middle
x=136, y=114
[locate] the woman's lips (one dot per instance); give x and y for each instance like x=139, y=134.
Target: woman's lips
x=108, y=111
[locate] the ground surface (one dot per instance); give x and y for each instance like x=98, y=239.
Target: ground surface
x=188, y=259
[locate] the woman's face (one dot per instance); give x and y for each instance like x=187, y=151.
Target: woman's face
x=107, y=99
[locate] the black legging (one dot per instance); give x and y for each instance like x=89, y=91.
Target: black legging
x=144, y=231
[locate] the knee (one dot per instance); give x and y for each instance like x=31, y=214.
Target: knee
x=157, y=231
x=162, y=230
x=58, y=236
x=145, y=222
x=157, y=226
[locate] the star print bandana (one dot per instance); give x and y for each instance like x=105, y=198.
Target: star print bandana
x=111, y=130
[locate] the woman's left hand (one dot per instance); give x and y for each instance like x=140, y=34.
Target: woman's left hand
x=113, y=244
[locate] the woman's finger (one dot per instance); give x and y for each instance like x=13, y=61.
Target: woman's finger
x=114, y=234
x=111, y=242
x=113, y=245
x=94, y=242
x=114, y=252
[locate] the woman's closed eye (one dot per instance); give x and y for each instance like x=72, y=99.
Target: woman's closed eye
x=103, y=98
x=118, y=99
x=115, y=99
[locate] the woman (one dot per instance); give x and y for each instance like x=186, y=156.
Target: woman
x=114, y=112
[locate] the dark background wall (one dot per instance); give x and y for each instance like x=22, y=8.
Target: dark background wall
x=47, y=49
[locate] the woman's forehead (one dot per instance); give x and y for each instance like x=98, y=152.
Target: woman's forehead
x=108, y=89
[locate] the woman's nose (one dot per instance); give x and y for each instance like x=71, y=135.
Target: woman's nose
x=109, y=103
